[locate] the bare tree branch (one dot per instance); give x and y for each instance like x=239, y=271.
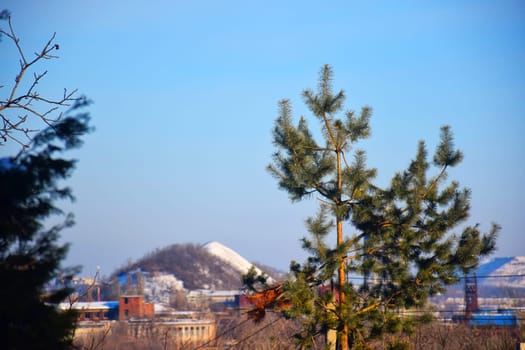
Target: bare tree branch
x=21, y=106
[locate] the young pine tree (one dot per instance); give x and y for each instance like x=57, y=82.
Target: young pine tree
x=399, y=239
x=30, y=254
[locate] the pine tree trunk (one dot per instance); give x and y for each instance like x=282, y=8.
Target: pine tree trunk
x=339, y=221
x=344, y=335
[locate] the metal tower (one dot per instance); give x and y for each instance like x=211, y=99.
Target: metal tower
x=471, y=295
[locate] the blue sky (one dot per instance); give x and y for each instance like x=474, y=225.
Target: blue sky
x=185, y=95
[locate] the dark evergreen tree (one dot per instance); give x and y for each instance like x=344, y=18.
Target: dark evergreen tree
x=31, y=183
x=399, y=239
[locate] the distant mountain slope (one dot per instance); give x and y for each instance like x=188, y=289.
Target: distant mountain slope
x=503, y=272
x=209, y=266
x=490, y=266
x=496, y=278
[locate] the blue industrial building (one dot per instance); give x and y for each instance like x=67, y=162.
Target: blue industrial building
x=502, y=318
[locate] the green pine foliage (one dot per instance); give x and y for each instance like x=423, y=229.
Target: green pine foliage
x=402, y=240
x=31, y=183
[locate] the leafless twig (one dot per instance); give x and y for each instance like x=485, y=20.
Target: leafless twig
x=21, y=104
x=72, y=299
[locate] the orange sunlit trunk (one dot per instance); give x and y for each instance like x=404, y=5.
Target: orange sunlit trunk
x=344, y=335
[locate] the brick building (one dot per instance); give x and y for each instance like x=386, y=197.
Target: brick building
x=133, y=306
x=128, y=307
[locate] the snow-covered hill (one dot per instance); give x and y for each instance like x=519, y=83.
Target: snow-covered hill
x=502, y=272
x=232, y=258
x=179, y=267
x=229, y=256
x=160, y=287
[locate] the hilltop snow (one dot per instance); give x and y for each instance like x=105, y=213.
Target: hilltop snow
x=231, y=257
